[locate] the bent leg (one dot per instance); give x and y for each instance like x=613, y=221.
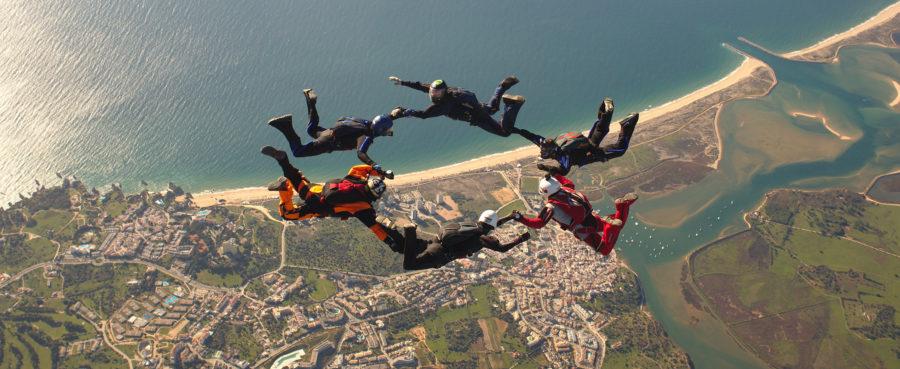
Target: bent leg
x=432, y=255
x=553, y=167
x=488, y=123
x=510, y=112
x=610, y=232
x=321, y=145
x=621, y=145
x=286, y=207
x=285, y=125
x=494, y=105
x=312, y=128
x=601, y=127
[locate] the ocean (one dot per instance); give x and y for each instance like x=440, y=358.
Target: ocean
x=180, y=91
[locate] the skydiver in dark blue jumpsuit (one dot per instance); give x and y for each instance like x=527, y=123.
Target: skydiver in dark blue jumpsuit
x=347, y=134
x=559, y=154
x=459, y=104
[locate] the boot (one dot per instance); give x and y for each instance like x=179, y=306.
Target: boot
x=279, y=184
x=508, y=82
x=285, y=125
x=628, y=125
x=513, y=99
x=606, y=108
x=273, y=153
x=627, y=199
x=310, y=96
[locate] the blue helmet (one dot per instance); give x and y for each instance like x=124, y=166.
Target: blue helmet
x=382, y=124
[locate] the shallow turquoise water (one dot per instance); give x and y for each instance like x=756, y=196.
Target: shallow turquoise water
x=856, y=90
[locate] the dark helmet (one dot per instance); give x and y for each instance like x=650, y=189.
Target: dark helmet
x=381, y=125
x=548, y=148
x=437, y=91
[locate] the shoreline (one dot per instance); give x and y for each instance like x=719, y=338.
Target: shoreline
x=896, y=101
x=882, y=16
x=743, y=71
x=824, y=121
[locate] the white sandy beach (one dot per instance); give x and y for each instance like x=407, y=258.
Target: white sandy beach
x=896, y=101
x=824, y=120
x=885, y=15
x=745, y=70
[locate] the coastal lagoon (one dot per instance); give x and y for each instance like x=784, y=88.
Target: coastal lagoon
x=845, y=135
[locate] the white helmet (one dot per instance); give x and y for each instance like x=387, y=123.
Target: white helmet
x=548, y=186
x=376, y=186
x=489, y=217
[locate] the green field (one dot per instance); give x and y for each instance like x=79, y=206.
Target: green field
x=507, y=209
x=236, y=339
x=322, y=288
x=48, y=220
x=451, y=331
x=529, y=184
x=812, y=284
x=340, y=245
x=229, y=280
x=19, y=253
x=104, y=358
x=101, y=288
x=30, y=334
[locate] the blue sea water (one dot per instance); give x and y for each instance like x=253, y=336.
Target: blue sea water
x=180, y=91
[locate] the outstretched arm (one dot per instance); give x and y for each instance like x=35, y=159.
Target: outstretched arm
x=416, y=85
x=491, y=242
x=435, y=110
x=362, y=148
x=543, y=217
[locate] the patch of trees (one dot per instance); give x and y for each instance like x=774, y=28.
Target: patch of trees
x=45, y=199
x=883, y=326
x=625, y=296
x=823, y=277
x=404, y=321
x=468, y=364
x=462, y=334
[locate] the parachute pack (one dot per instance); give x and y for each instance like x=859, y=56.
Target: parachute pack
x=457, y=233
x=571, y=141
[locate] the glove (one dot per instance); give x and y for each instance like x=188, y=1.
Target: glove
x=524, y=237
x=394, y=79
x=397, y=112
x=516, y=215
x=389, y=174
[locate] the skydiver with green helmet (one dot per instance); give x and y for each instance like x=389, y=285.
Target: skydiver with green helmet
x=459, y=104
x=347, y=134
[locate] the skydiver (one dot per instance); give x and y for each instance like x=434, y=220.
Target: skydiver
x=456, y=241
x=351, y=196
x=559, y=154
x=348, y=133
x=459, y=104
x=573, y=212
